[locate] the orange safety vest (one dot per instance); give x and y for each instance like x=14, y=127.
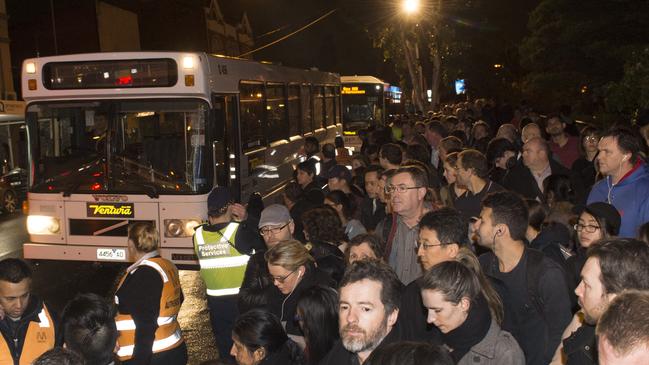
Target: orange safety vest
x=168, y=334
x=38, y=339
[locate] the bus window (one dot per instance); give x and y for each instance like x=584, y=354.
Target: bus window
x=337, y=97
x=276, y=112
x=306, y=109
x=294, y=110
x=318, y=107
x=329, y=105
x=252, y=115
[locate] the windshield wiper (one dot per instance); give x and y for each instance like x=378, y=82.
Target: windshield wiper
x=72, y=187
x=151, y=191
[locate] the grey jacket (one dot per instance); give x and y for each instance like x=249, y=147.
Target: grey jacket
x=498, y=347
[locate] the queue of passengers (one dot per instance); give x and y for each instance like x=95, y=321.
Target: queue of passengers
x=438, y=242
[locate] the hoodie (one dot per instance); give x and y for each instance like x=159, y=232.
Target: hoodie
x=630, y=196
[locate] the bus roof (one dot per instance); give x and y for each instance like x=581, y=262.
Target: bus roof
x=360, y=80
x=209, y=74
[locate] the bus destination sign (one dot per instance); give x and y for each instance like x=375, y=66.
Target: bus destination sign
x=352, y=90
x=114, y=210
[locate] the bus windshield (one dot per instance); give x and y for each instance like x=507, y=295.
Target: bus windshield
x=362, y=106
x=120, y=146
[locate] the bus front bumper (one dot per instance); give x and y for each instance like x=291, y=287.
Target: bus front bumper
x=39, y=251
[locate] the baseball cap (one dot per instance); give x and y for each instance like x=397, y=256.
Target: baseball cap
x=340, y=172
x=274, y=215
x=218, y=200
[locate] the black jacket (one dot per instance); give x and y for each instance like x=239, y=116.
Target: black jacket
x=536, y=317
x=30, y=315
x=576, y=263
x=521, y=180
x=285, y=306
x=586, y=171
x=369, y=219
x=338, y=355
x=328, y=258
x=254, y=292
x=549, y=240
x=581, y=347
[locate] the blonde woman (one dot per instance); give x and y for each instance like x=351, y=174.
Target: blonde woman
x=148, y=300
x=292, y=270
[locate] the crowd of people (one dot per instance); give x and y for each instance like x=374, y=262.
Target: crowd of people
x=439, y=242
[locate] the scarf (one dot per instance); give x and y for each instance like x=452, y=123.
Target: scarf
x=471, y=332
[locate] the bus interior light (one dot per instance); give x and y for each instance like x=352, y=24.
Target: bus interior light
x=188, y=62
x=30, y=67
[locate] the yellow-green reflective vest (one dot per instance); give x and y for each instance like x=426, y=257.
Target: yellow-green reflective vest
x=222, y=265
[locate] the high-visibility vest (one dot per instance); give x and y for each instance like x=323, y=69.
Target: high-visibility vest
x=38, y=339
x=222, y=265
x=168, y=334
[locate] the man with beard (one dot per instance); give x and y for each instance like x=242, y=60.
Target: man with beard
x=533, y=288
x=612, y=266
x=564, y=146
x=368, y=308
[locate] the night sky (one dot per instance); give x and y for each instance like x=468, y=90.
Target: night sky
x=340, y=43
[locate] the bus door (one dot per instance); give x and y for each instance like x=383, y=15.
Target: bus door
x=225, y=142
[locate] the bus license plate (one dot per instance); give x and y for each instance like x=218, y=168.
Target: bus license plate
x=118, y=254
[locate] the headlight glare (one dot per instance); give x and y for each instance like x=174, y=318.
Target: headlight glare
x=40, y=224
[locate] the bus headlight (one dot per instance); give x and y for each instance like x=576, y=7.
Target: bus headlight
x=177, y=228
x=188, y=62
x=30, y=68
x=40, y=224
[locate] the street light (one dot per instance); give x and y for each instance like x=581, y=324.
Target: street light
x=411, y=6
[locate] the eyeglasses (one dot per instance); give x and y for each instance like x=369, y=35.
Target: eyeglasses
x=591, y=139
x=426, y=246
x=584, y=227
x=268, y=230
x=282, y=279
x=399, y=188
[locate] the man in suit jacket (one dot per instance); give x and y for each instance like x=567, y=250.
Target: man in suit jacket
x=527, y=178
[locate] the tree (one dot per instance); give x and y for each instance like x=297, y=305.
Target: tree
x=577, y=50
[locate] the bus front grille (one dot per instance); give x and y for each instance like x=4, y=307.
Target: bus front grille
x=102, y=227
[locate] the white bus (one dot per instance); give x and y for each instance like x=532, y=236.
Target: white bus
x=363, y=106
x=118, y=138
